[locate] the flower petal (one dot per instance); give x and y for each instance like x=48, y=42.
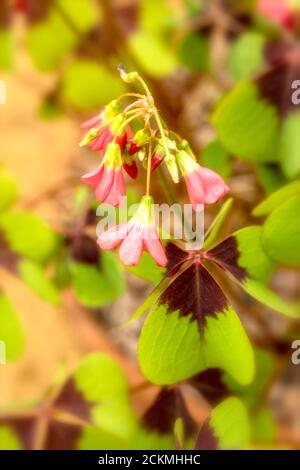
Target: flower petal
x=117, y=189
x=94, y=121
x=155, y=248
x=132, y=247
x=213, y=185
x=112, y=237
x=94, y=177
x=105, y=184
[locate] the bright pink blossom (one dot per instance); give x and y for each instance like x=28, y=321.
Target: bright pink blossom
x=204, y=186
x=136, y=236
x=278, y=11
x=101, y=132
x=108, y=179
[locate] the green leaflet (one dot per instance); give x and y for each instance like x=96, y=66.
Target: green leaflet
x=8, y=187
x=152, y=53
x=103, y=384
x=247, y=126
x=230, y=425
x=281, y=233
x=215, y=157
x=212, y=233
x=269, y=298
x=34, y=276
x=28, y=235
x=170, y=348
x=246, y=55
x=8, y=439
x=84, y=85
x=6, y=48
x=96, y=286
x=10, y=330
x=277, y=198
x=252, y=256
x=147, y=269
x=50, y=40
x=289, y=145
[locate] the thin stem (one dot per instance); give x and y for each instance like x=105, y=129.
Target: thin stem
x=155, y=113
x=124, y=124
x=149, y=168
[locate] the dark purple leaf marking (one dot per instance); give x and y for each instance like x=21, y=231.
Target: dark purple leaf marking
x=196, y=294
x=209, y=383
x=166, y=408
x=84, y=249
x=62, y=436
x=176, y=256
x=275, y=85
x=71, y=400
x=206, y=439
x=226, y=256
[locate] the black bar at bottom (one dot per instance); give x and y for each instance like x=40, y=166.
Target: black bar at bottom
x=134, y=459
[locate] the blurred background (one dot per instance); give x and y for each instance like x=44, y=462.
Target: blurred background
x=58, y=60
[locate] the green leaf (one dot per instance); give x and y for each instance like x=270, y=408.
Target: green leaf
x=103, y=386
x=9, y=191
x=8, y=439
x=6, y=48
x=170, y=349
x=87, y=84
x=217, y=158
x=277, y=198
x=156, y=16
x=213, y=231
x=246, y=56
x=229, y=425
x=152, y=53
x=281, y=233
x=244, y=257
x=33, y=275
x=84, y=14
x=96, y=286
x=49, y=41
x=250, y=394
x=252, y=256
x=28, y=235
x=266, y=296
x=270, y=178
x=147, y=269
x=289, y=145
x=263, y=426
x=10, y=330
x=247, y=126
x=194, y=52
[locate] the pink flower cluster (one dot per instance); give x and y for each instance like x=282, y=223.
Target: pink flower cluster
x=110, y=135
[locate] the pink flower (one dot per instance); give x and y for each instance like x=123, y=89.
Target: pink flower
x=102, y=129
x=108, y=179
x=131, y=169
x=136, y=236
x=156, y=160
x=278, y=11
x=204, y=186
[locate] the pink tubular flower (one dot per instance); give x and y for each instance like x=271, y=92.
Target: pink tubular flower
x=279, y=11
x=108, y=179
x=136, y=236
x=102, y=128
x=204, y=186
